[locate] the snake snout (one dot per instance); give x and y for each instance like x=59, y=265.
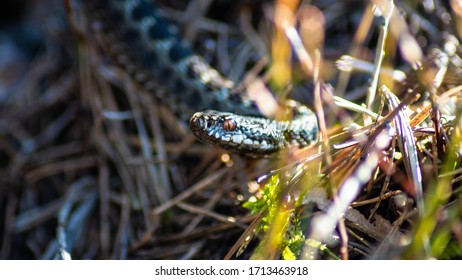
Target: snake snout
x=199, y=121
x=201, y=124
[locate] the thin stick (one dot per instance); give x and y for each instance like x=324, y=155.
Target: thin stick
x=387, y=11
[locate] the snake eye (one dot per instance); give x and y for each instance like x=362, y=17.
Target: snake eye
x=229, y=124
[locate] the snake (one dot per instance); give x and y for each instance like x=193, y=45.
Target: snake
x=148, y=46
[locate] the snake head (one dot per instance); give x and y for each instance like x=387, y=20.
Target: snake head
x=248, y=136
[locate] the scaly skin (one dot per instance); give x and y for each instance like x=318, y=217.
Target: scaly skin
x=150, y=49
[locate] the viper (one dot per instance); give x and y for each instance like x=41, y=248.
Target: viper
x=150, y=49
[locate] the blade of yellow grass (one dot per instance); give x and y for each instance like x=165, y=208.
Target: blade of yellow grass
x=406, y=144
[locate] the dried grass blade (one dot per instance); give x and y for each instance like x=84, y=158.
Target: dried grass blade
x=407, y=146
x=323, y=225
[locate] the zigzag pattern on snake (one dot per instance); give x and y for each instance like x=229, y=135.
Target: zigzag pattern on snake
x=150, y=49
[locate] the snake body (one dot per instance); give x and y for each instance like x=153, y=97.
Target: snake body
x=150, y=49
